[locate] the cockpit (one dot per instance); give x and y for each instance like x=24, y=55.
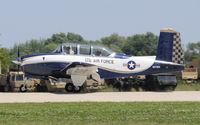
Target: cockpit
x=84, y=49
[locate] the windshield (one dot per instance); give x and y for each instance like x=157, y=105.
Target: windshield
x=85, y=49
x=101, y=51
x=67, y=48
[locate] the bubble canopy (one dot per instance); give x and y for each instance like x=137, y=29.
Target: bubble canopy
x=84, y=49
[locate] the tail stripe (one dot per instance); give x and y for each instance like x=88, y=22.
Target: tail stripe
x=177, y=54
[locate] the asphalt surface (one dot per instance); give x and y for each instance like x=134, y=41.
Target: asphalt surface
x=101, y=97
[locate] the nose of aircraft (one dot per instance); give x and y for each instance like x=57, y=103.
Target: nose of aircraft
x=17, y=61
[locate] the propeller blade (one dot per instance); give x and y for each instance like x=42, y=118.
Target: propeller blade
x=18, y=54
x=18, y=67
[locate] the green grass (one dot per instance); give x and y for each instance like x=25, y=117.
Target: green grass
x=184, y=86
x=140, y=113
x=188, y=87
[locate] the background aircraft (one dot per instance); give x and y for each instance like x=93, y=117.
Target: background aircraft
x=79, y=62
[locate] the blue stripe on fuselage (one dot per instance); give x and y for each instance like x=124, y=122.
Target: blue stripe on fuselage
x=154, y=69
x=41, y=54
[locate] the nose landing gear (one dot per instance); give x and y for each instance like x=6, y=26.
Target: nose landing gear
x=23, y=88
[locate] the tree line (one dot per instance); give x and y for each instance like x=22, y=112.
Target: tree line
x=136, y=45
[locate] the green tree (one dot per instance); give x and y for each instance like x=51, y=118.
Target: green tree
x=194, y=47
x=141, y=44
x=75, y=38
x=114, y=42
x=192, y=52
x=50, y=47
x=63, y=38
x=57, y=39
x=30, y=47
x=4, y=59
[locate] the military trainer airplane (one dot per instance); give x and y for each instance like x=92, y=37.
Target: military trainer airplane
x=80, y=62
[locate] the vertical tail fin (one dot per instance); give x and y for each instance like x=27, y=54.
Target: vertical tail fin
x=169, y=46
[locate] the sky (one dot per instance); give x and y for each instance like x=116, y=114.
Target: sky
x=23, y=20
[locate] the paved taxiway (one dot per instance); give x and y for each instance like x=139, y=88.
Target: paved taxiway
x=101, y=97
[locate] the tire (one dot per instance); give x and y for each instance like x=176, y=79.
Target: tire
x=77, y=89
x=44, y=89
x=69, y=87
x=38, y=88
x=23, y=88
x=2, y=89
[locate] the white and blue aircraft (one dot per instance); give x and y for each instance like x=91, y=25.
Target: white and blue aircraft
x=80, y=62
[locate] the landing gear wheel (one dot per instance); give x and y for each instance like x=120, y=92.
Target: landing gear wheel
x=2, y=89
x=23, y=88
x=77, y=89
x=38, y=88
x=69, y=87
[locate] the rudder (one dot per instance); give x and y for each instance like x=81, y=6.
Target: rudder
x=169, y=46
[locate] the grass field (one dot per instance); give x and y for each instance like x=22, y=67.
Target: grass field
x=188, y=87
x=139, y=113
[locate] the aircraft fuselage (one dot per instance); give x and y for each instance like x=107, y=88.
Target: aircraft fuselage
x=108, y=67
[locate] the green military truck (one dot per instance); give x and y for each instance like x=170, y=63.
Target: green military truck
x=190, y=75
x=13, y=81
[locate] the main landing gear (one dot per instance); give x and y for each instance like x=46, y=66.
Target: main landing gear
x=69, y=87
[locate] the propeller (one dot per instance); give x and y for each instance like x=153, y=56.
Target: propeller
x=18, y=53
x=18, y=56
x=18, y=60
